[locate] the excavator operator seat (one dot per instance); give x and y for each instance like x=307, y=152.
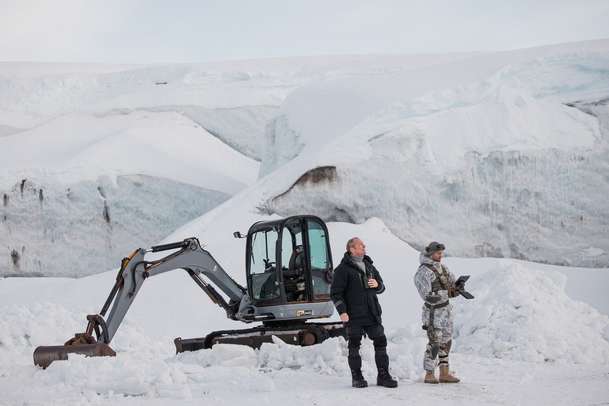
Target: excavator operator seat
x=294, y=276
x=296, y=264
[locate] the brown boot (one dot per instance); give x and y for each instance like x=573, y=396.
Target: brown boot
x=430, y=377
x=446, y=377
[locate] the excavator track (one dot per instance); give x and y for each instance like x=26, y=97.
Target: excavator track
x=303, y=334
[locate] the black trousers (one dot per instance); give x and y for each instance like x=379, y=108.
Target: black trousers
x=376, y=333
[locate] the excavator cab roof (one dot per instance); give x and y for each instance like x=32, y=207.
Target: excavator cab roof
x=263, y=225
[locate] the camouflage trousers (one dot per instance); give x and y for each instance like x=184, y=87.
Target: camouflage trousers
x=439, y=334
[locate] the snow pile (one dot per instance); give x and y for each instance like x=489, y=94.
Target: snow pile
x=147, y=367
x=26, y=327
x=21, y=327
x=524, y=314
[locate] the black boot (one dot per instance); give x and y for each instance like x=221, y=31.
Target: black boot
x=357, y=380
x=386, y=380
x=382, y=364
x=355, y=363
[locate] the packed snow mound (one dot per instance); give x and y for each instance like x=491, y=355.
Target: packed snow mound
x=525, y=314
x=494, y=166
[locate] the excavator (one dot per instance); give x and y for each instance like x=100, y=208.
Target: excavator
x=288, y=276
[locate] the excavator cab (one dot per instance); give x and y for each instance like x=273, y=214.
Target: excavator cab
x=288, y=261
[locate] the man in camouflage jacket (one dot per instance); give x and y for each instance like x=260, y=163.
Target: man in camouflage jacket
x=436, y=285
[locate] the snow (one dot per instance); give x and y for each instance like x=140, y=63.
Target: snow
x=156, y=144
x=494, y=154
x=328, y=109
x=48, y=226
x=525, y=314
x=191, y=132
x=508, y=148
x=69, y=128
x=501, y=155
x=90, y=185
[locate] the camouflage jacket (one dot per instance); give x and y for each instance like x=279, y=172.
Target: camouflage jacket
x=427, y=282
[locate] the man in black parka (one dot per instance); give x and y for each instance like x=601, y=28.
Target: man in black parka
x=354, y=288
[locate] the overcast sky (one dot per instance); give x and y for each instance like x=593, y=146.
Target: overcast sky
x=145, y=31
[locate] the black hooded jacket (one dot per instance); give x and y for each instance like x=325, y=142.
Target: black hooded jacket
x=351, y=294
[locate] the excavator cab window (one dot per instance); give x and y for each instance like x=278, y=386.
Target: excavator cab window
x=320, y=259
x=263, y=265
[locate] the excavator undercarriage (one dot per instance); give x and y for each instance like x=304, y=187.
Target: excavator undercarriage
x=303, y=334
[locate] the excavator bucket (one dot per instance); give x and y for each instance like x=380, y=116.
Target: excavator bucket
x=45, y=355
x=79, y=344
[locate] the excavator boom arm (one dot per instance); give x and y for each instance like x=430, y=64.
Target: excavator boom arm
x=134, y=270
x=192, y=258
